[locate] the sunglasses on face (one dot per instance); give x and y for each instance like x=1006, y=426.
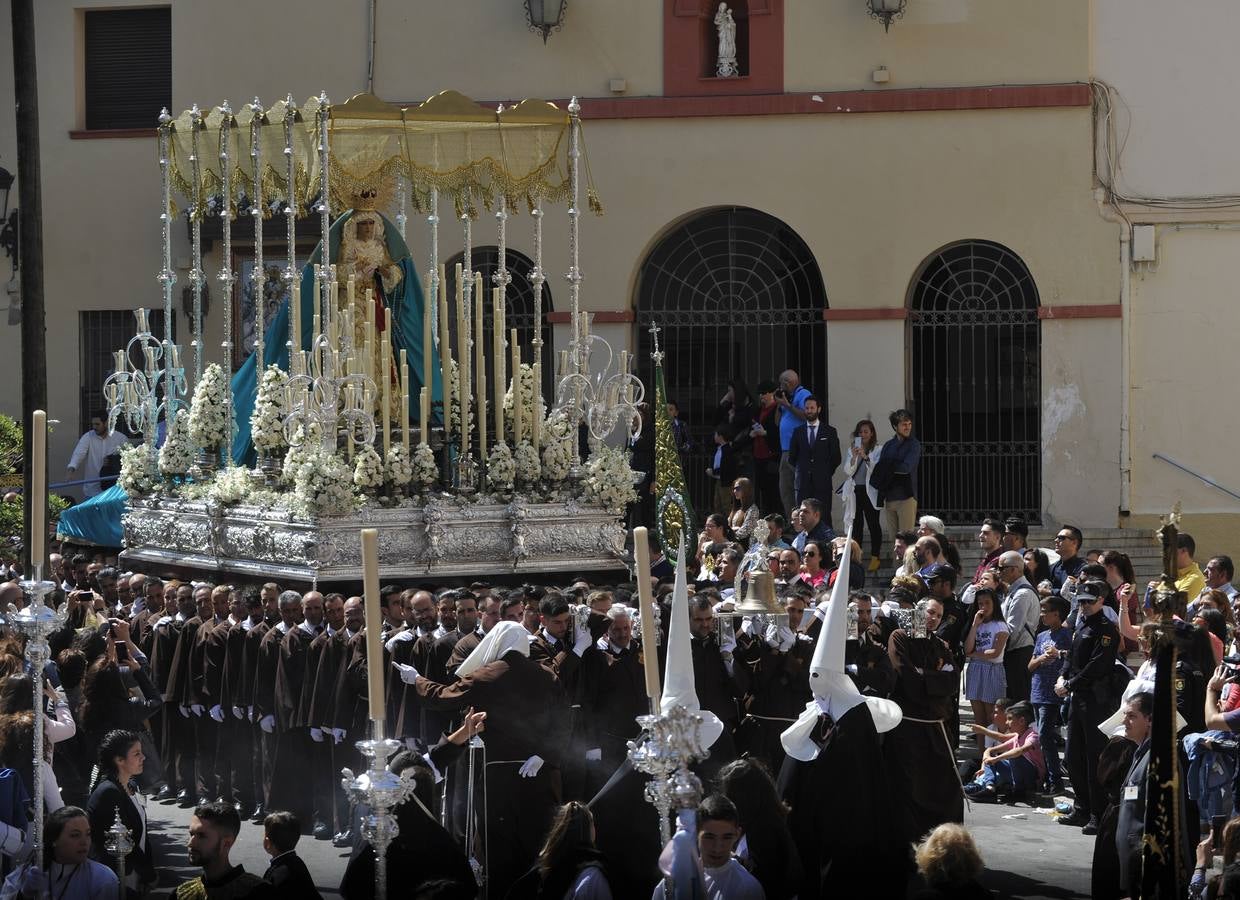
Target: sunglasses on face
x=1062, y=537
x=808, y=555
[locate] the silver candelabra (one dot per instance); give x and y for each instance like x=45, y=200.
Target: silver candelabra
x=37, y=622
x=380, y=792
x=601, y=396
x=324, y=399
x=134, y=391
x=668, y=746
x=119, y=843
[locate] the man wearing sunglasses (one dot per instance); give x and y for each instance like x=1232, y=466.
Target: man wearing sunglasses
x=1068, y=542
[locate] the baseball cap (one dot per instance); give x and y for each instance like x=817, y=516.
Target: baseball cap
x=939, y=570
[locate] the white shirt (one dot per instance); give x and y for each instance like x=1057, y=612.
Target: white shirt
x=89, y=454
x=727, y=882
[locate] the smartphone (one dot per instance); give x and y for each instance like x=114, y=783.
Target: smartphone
x=122, y=652
x=1217, y=824
x=857, y=442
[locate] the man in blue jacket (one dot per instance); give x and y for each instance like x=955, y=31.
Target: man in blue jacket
x=895, y=475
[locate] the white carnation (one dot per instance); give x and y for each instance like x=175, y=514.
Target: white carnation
x=267, y=420
x=232, y=485
x=425, y=469
x=501, y=469
x=176, y=455
x=368, y=469
x=136, y=479
x=609, y=479
x=528, y=467
x=528, y=388
x=206, y=414
x=398, y=469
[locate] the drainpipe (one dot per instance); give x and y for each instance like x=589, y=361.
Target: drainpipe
x=1111, y=214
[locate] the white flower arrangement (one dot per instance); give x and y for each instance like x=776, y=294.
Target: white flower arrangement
x=524, y=380
x=453, y=370
x=528, y=467
x=368, y=469
x=176, y=455
x=135, y=478
x=322, y=481
x=398, y=470
x=232, y=485
x=557, y=441
x=425, y=469
x=267, y=420
x=206, y=413
x=609, y=479
x=304, y=441
x=501, y=469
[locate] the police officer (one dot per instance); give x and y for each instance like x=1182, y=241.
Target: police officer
x=1088, y=681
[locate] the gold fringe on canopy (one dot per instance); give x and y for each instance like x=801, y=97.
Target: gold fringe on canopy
x=450, y=143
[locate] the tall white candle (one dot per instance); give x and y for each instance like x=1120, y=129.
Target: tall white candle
x=374, y=623
x=516, y=388
x=404, y=404
x=536, y=419
x=480, y=363
x=424, y=406
x=385, y=392
x=427, y=299
x=445, y=355
x=38, y=488
x=462, y=361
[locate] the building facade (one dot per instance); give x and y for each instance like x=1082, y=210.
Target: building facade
x=907, y=217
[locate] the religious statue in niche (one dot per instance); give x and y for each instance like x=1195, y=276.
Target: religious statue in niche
x=725, y=64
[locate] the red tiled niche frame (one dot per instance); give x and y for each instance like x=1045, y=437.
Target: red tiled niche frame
x=689, y=47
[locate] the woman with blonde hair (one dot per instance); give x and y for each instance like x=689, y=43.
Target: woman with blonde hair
x=950, y=864
x=745, y=513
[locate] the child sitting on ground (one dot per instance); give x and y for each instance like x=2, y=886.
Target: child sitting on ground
x=1014, y=766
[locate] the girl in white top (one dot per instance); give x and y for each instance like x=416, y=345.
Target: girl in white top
x=984, y=678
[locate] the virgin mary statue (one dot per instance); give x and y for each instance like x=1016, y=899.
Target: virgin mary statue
x=363, y=243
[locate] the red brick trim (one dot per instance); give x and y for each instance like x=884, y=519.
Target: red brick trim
x=601, y=317
x=1101, y=311
x=1031, y=96
x=102, y=134
x=872, y=314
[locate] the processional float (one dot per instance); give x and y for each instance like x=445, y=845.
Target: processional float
x=365, y=401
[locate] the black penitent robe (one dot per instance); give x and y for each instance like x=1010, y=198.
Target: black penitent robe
x=841, y=812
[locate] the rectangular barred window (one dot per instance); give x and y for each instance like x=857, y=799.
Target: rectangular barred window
x=100, y=333
x=128, y=66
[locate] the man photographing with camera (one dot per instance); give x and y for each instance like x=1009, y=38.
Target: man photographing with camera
x=1216, y=719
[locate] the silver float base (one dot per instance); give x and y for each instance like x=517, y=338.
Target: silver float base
x=438, y=536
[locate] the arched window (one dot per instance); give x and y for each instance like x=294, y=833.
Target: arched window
x=519, y=305
x=975, y=383
x=737, y=294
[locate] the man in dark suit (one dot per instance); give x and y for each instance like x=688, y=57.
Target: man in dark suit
x=1130, y=823
x=814, y=452
x=287, y=875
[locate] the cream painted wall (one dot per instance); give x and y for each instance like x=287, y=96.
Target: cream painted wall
x=1183, y=347
x=1175, y=68
x=836, y=46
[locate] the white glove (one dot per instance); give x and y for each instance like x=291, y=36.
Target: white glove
x=184, y=711
x=250, y=713
x=787, y=638
x=728, y=645
x=595, y=755
x=408, y=674
x=747, y=626
x=399, y=638
x=196, y=708
x=217, y=713
x=724, y=606
x=238, y=713
x=582, y=643
x=316, y=735
x=851, y=669
x=530, y=768
x=337, y=735
x=411, y=743
x=267, y=723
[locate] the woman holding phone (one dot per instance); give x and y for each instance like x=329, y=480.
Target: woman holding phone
x=857, y=467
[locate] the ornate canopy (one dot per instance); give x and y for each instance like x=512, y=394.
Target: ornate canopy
x=450, y=143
